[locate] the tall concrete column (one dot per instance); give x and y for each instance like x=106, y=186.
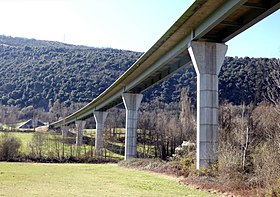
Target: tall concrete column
x=207, y=59
x=132, y=103
x=100, y=117
x=64, y=131
x=80, y=125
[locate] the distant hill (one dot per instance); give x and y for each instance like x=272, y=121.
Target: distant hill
x=23, y=42
x=37, y=73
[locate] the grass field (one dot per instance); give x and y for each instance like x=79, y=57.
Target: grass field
x=38, y=179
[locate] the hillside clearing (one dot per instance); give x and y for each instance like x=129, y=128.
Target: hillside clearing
x=38, y=179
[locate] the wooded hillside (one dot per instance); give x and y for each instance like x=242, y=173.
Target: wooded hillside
x=37, y=73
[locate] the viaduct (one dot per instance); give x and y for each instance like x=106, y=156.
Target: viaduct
x=197, y=38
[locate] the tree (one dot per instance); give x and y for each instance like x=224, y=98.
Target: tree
x=9, y=147
x=273, y=81
x=186, y=117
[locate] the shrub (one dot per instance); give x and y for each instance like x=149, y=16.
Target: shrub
x=188, y=165
x=266, y=165
x=230, y=171
x=9, y=147
x=145, y=164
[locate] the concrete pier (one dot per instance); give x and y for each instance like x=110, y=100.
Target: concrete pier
x=132, y=103
x=100, y=117
x=80, y=125
x=207, y=59
x=64, y=131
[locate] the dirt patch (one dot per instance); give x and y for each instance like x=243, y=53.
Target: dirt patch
x=213, y=186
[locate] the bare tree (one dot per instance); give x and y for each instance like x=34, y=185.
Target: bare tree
x=12, y=116
x=2, y=116
x=186, y=117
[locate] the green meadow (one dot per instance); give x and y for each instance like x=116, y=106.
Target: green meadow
x=41, y=179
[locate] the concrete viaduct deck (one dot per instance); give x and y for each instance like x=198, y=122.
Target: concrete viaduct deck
x=197, y=38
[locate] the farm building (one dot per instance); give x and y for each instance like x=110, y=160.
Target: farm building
x=30, y=125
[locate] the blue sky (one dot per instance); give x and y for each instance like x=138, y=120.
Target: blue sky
x=124, y=24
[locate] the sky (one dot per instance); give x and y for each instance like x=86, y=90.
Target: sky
x=123, y=24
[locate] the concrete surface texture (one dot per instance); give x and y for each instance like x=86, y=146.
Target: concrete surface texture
x=100, y=117
x=132, y=103
x=207, y=59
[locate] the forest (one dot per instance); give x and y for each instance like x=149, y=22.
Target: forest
x=37, y=74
